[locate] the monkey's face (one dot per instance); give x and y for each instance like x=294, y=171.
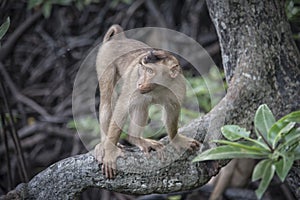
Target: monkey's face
x=145, y=82
x=157, y=68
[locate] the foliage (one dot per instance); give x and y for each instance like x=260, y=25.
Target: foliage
x=80, y=4
x=207, y=97
x=276, y=146
x=4, y=27
x=292, y=8
x=87, y=125
x=46, y=5
x=114, y=3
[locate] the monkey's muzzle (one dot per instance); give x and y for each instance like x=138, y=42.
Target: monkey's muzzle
x=145, y=88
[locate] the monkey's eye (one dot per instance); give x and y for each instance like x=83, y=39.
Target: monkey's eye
x=149, y=70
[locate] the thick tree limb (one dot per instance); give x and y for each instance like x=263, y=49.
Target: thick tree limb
x=136, y=173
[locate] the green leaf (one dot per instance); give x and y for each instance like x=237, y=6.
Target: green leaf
x=259, y=169
x=47, y=7
x=279, y=131
x=292, y=117
x=283, y=126
x=258, y=143
x=263, y=121
x=284, y=165
x=4, y=27
x=234, y=132
x=297, y=154
x=268, y=171
x=247, y=145
x=292, y=141
x=34, y=3
x=228, y=152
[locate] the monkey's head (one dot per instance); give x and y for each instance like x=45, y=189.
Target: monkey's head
x=157, y=67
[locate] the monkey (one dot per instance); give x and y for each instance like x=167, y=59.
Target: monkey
x=150, y=76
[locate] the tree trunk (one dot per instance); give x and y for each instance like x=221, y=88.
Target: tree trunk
x=261, y=64
x=260, y=59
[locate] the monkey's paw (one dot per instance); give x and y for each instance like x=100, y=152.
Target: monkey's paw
x=99, y=152
x=108, y=157
x=146, y=145
x=182, y=142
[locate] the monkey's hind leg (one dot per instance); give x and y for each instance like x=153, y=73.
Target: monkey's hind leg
x=107, y=83
x=178, y=141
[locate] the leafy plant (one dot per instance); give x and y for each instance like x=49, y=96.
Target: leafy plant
x=4, y=27
x=276, y=146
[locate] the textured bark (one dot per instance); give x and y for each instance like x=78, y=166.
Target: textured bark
x=261, y=64
x=259, y=57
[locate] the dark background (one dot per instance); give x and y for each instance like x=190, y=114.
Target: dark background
x=43, y=62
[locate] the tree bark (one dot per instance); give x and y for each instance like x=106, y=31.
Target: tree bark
x=261, y=65
x=258, y=49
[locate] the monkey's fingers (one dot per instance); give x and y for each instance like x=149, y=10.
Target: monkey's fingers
x=155, y=145
x=104, y=170
x=108, y=170
x=159, y=146
x=113, y=169
x=149, y=145
x=121, y=146
x=161, y=154
x=195, y=145
x=146, y=150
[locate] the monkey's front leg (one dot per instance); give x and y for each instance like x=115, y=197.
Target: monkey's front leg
x=107, y=152
x=138, y=121
x=179, y=141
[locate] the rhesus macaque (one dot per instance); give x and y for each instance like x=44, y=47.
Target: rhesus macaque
x=149, y=76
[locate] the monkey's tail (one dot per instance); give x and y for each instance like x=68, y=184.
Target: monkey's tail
x=113, y=30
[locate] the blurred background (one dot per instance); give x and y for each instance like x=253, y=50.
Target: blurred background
x=40, y=54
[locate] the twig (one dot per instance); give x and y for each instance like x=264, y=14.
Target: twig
x=131, y=10
x=14, y=135
x=156, y=13
x=27, y=131
x=5, y=141
x=20, y=97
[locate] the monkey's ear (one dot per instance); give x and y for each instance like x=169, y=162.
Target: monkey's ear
x=174, y=71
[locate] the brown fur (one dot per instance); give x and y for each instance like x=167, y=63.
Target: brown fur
x=149, y=77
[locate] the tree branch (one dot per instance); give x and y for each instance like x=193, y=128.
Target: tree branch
x=136, y=174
